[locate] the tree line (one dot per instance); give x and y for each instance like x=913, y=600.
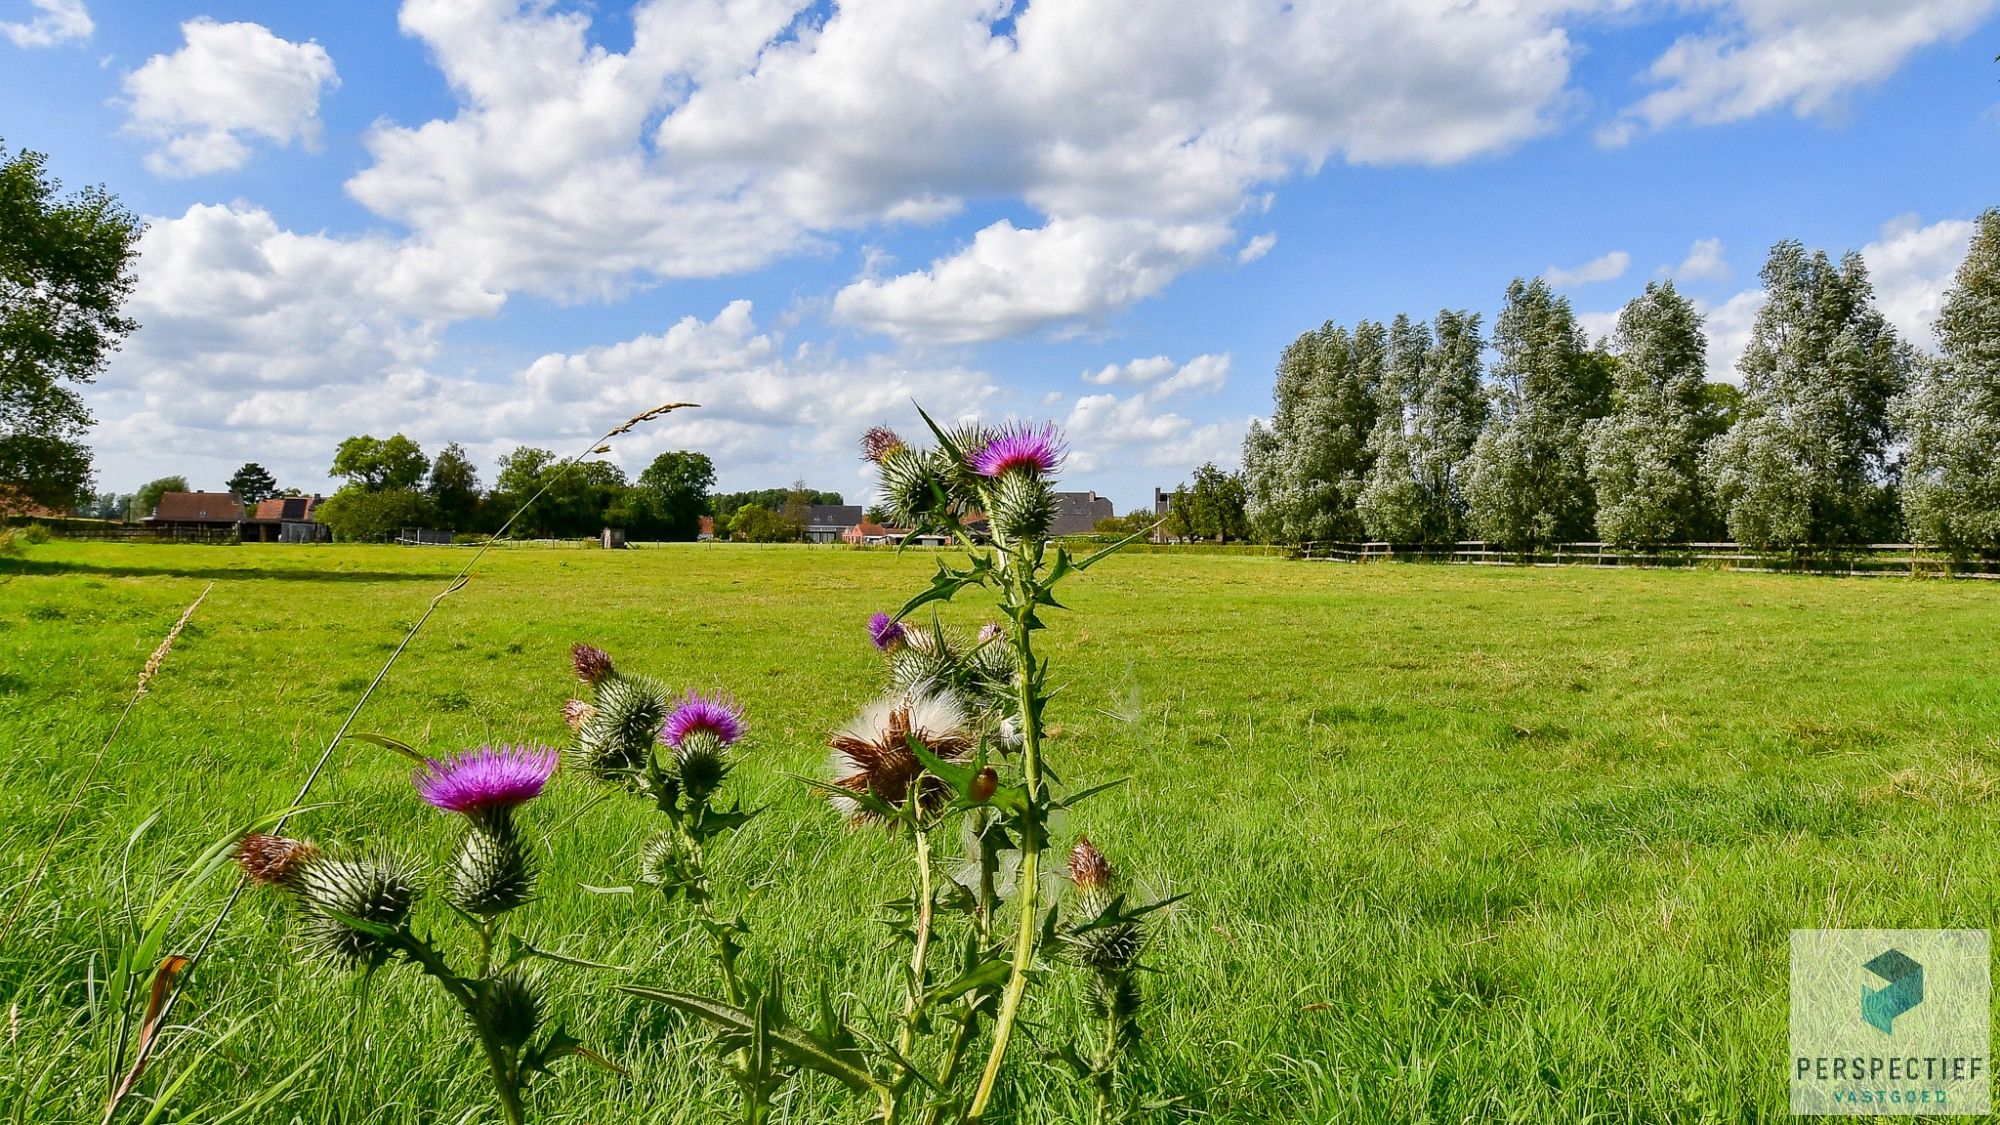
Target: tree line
x=391, y=485
x=1840, y=434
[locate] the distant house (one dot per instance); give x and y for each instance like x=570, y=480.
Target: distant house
x=196, y=513
x=830, y=523
x=286, y=519
x=867, y=531
x=1077, y=513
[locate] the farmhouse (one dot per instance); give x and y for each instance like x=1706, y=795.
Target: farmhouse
x=286, y=519
x=210, y=513
x=1077, y=513
x=830, y=523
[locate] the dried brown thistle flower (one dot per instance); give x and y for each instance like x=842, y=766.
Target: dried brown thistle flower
x=878, y=443
x=1088, y=868
x=872, y=754
x=592, y=664
x=576, y=713
x=275, y=861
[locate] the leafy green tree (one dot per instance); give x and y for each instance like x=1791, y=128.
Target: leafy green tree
x=1525, y=480
x=725, y=504
x=1136, y=520
x=377, y=464
x=65, y=271
x=1951, y=415
x=148, y=496
x=1212, y=507
x=454, y=487
x=1809, y=462
x=680, y=482
x=518, y=479
x=253, y=482
x=358, y=514
x=1645, y=458
x=1303, y=475
x=1430, y=410
x=755, y=523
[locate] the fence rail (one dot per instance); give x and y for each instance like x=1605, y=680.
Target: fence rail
x=1871, y=559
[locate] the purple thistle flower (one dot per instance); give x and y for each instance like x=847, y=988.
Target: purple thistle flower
x=885, y=631
x=1037, y=449
x=715, y=715
x=487, y=779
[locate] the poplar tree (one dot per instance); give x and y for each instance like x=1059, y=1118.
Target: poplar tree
x=1645, y=458
x=1951, y=415
x=1304, y=473
x=1808, y=462
x=1430, y=408
x=1526, y=482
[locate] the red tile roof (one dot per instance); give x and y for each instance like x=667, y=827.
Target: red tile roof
x=198, y=507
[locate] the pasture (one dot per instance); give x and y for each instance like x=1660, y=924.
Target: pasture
x=1458, y=844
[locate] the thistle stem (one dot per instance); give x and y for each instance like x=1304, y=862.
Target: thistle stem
x=913, y=1008
x=1027, y=682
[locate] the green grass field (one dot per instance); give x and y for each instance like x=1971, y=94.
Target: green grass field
x=1458, y=845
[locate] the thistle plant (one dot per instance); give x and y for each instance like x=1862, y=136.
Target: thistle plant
x=1105, y=939
x=359, y=912
x=957, y=739
x=1008, y=475
x=634, y=736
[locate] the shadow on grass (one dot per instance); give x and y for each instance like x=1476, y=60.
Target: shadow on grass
x=21, y=567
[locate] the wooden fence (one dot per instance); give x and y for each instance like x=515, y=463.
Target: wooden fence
x=1872, y=559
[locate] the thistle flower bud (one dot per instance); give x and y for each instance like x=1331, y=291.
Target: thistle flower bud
x=616, y=740
x=664, y=862
x=984, y=785
x=492, y=873
x=592, y=664
x=879, y=442
x=576, y=713
x=376, y=892
x=1114, y=999
x=912, y=481
x=275, y=861
x=510, y=1006
x=990, y=632
x=1109, y=949
x=700, y=767
x=1023, y=507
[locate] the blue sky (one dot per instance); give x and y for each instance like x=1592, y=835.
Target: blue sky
x=497, y=222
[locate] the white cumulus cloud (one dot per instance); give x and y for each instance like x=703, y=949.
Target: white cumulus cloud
x=1912, y=266
x=1607, y=267
x=55, y=22
x=1704, y=262
x=1801, y=55
x=229, y=84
